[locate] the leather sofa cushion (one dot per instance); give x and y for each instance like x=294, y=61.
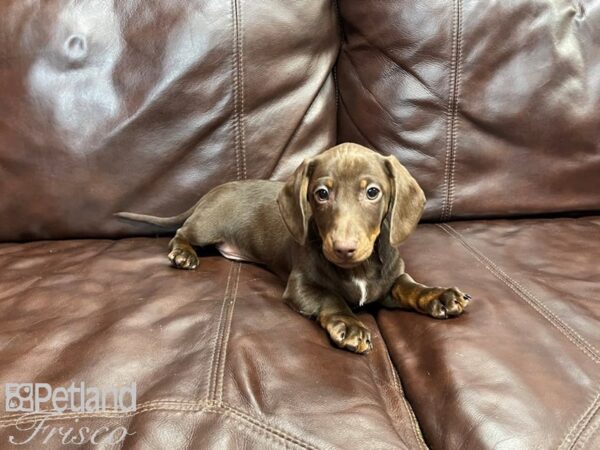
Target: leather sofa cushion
x=219, y=361
x=521, y=368
x=146, y=105
x=494, y=106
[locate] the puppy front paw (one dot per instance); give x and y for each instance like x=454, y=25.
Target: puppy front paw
x=183, y=258
x=349, y=333
x=443, y=303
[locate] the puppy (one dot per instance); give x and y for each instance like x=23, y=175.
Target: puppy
x=331, y=231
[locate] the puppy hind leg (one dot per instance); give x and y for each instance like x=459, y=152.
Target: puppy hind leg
x=181, y=248
x=181, y=253
x=205, y=226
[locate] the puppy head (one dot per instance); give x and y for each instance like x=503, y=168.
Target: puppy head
x=349, y=191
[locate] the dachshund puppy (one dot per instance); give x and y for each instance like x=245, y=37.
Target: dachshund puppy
x=331, y=231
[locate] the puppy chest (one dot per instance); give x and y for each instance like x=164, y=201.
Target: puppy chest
x=358, y=291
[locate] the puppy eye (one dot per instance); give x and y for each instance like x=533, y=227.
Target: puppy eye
x=322, y=195
x=373, y=193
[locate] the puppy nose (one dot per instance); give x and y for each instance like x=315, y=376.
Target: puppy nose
x=344, y=249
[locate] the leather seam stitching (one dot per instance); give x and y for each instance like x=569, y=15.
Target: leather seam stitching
x=284, y=435
x=337, y=97
x=452, y=110
x=238, y=137
x=221, y=335
x=239, y=89
x=411, y=415
x=241, y=93
x=575, y=338
x=225, y=340
x=458, y=82
x=390, y=416
x=579, y=428
x=342, y=38
x=588, y=433
x=235, y=105
x=212, y=367
x=249, y=426
x=176, y=406
x=448, y=115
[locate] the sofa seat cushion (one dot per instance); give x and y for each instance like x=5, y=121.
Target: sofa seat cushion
x=521, y=368
x=218, y=360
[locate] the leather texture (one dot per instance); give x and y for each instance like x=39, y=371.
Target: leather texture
x=520, y=370
x=472, y=95
x=219, y=361
x=144, y=106
x=178, y=96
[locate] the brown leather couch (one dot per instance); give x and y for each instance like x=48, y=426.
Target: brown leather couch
x=144, y=106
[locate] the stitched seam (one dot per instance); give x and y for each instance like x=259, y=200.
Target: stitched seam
x=143, y=405
x=225, y=340
x=579, y=427
x=220, y=335
x=449, y=115
x=213, y=365
x=526, y=295
x=238, y=91
x=584, y=438
x=272, y=430
x=392, y=420
x=250, y=427
x=340, y=21
x=342, y=37
x=235, y=74
x=451, y=111
x=242, y=117
x=411, y=415
x=158, y=406
x=176, y=406
x=589, y=433
x=337, y=98
x=163, y=401
x=576, y=430
x=458, y=81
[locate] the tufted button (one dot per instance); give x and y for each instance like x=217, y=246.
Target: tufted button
x=76, y=49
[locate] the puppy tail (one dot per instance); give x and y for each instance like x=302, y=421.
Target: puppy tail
x=165, y=222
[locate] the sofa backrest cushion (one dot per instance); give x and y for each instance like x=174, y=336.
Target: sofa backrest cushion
x=494, y=106
x=144, y=106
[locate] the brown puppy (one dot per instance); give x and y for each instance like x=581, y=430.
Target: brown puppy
x=331, y=231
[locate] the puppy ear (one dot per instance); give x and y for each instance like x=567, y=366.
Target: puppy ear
x=293, y=202
x=406, y=203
